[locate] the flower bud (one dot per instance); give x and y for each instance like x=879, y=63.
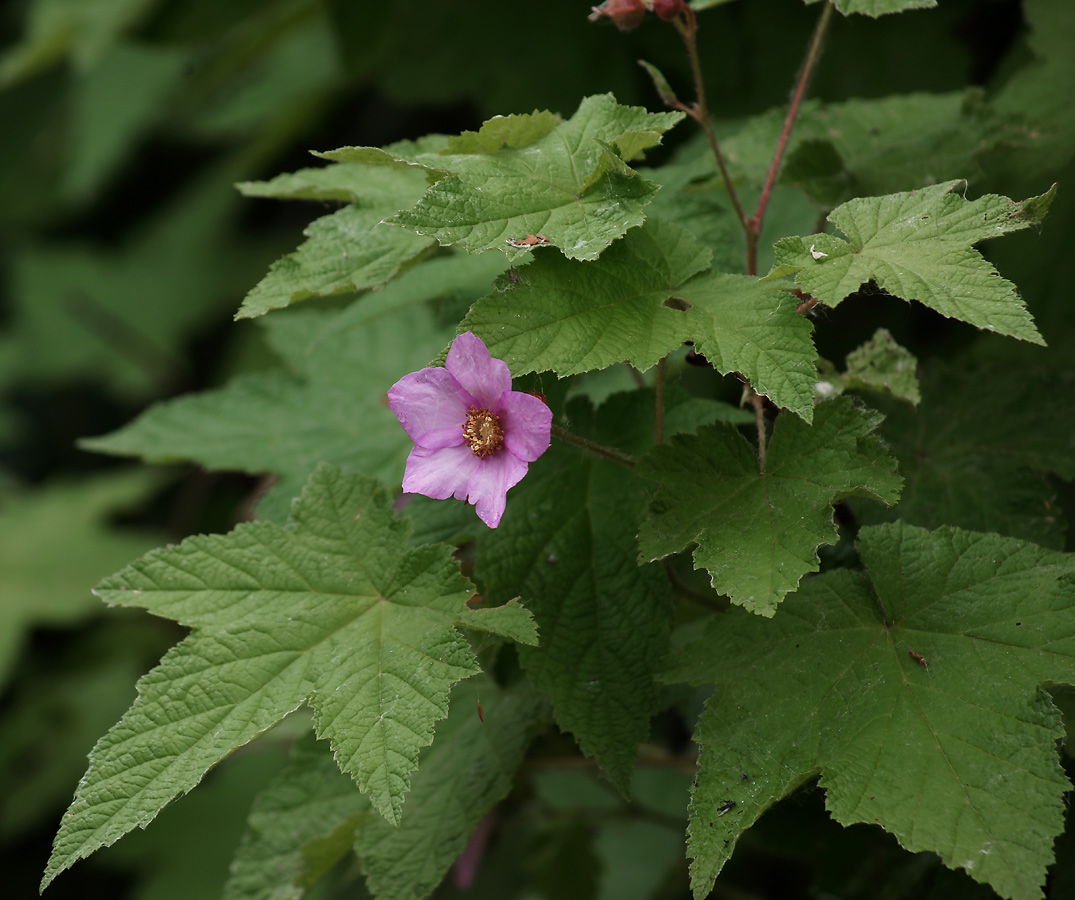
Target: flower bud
x=625, y=14
x=667, y=10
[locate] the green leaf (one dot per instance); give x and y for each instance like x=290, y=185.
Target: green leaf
x=330, y=409
x=637, y=856
x=919, y=246
x=34, y=526
x=976, y=451
x=118, y=316
x=348, y=182
x=106, y=127
x=530, y=174
x=694, y=195
x=188, y=850
x=56, y=708
x=861, y=148
x=57, y=28
x=459, y=781
x=757, y=533
x=1037, y=92
x=878, y=365
x=867, y=147
x=957, y=756
x=877, y=8
x=300, y=825
x=350, y=250
x=568, y=317
x=277, y=76
x=334, y=612
x=311, y=816
x=741, y=325
x=564, y=545
x=664, y=89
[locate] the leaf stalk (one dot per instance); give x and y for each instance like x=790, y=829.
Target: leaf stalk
x=590, y=447
x=687, y=26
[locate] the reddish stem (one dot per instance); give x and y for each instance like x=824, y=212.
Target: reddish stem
x=687, y=26
x=754, y=223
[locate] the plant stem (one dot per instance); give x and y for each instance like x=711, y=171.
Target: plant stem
x=687, y=26
x=658, y=428
x=754, y=224
x=597, y=449
x=758, y=402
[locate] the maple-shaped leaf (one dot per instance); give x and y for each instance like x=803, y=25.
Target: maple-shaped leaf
x=912, y=688
x=329, y=403
x=919, y=246
x=757, y=533
x=567, y=316
x=334, y=612
x=533, y=174
x=349, y=250
x=879, y=365
x=977, y=450
x=566, y=546
x=741, y=325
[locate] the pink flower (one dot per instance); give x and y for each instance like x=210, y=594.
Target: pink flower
x=474, y=436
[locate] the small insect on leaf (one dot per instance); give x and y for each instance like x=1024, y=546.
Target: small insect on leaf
x=531, y=240
x=727, y=806
x=920, y=658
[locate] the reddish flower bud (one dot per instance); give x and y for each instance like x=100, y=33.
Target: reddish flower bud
x=667, y=10
x=625, y=14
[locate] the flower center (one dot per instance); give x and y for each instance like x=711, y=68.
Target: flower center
x=483, y=432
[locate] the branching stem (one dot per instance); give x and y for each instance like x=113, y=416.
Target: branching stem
x=590, y=447
x=754, y=224
x=687, y=26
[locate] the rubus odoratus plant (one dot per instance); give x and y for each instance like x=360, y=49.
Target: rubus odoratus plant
x=645, y=495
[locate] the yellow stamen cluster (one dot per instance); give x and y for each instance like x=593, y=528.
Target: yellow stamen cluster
x=483, y=432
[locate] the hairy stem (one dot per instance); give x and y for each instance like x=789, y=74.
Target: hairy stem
x=590, y=447
x=754, y=224
x=687, y=26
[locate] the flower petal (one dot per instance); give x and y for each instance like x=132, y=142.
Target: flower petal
x=526, y=421
x=431, y=407
x=441, y=474
x=483, y=377
x=488, y=488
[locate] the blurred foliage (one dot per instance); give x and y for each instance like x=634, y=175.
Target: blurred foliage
x=125, y=252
